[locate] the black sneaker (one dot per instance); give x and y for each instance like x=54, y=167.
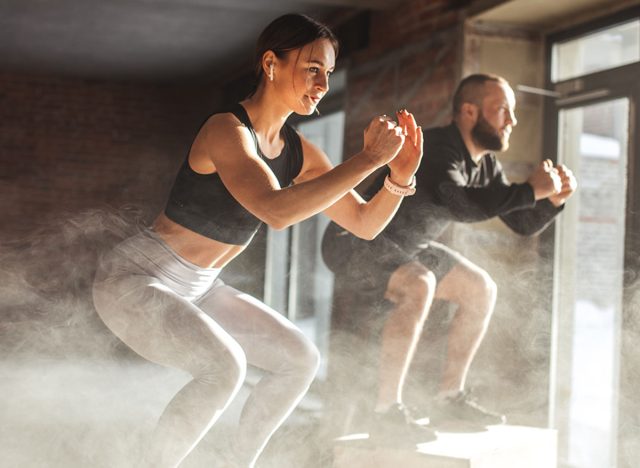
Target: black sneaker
x=461, y=410
x=397, y=427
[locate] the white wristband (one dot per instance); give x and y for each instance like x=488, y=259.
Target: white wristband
x=401, y=190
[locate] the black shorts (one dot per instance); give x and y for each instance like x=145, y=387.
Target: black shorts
x=367, y=265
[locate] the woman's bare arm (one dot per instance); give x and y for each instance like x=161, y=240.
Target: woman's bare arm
x=368, y=219
x=232, y=152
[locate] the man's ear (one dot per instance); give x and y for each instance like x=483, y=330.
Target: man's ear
x=470, y=112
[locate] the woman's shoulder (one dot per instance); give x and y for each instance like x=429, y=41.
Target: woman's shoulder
x=222, y=136
x=222, y=119
x=223, y=125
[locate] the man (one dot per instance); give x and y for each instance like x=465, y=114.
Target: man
x=460, y=180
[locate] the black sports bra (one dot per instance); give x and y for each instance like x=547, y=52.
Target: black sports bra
x=201, y=202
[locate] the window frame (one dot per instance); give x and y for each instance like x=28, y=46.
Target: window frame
x=613, y=83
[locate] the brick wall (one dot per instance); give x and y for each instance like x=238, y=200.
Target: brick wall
x=416, y=56
x=68, y=145
x=413, y=61
x=82, y=165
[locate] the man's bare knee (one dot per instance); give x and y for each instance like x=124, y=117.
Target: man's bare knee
x=491, y=288
x=468, y=285
x=412, y=282
x=483, y=286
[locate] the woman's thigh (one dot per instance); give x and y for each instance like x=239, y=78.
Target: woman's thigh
x=269, y=340
x=159, y=324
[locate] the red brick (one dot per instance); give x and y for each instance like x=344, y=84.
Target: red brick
x=67, y=145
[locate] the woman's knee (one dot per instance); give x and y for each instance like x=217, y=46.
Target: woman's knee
x=304, y=357
x=222, y=366
x=312, y=359
x=236, y=363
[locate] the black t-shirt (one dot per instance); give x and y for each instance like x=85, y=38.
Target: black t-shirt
x=452, y=187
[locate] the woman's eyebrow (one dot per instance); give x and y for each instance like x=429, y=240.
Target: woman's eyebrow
x=317, y=62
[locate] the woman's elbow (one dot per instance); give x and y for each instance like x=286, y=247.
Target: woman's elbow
x=277, y=223
x=366, y=234
x=369, y=236
x=278, y=219
x=364, y=229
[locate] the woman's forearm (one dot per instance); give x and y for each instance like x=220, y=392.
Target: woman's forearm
x=376, y=214
x=282, y=208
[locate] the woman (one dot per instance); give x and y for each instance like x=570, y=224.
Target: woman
x=159, y=291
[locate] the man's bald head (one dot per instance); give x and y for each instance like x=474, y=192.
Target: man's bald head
x=472, y=90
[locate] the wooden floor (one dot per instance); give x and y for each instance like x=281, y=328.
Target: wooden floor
x=499, y=447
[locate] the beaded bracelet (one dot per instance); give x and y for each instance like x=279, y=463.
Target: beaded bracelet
x=401, y=190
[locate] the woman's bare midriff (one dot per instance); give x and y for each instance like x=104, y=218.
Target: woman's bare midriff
x=195, y=247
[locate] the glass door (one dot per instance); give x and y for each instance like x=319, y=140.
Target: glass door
x=589, y=268
x=310, y=281
x=592, y=126
x=297, y=282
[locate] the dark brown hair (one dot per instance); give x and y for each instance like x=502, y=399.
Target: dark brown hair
x=470, y=89
x=290, y=32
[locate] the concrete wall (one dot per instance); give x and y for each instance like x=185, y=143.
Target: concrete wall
x=513, y=363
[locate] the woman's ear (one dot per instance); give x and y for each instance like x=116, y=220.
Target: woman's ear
x=268, y=64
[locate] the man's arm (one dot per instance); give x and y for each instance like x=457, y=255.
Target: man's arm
x=529, y=222
x=524, y=207
x=492, y=197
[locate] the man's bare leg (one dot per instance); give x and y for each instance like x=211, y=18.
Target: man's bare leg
x=473, y=290
x=411, y=289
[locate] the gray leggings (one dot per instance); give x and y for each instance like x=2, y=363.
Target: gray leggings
x=177, y=314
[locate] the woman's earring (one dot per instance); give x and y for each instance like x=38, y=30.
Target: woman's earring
x=271, y=72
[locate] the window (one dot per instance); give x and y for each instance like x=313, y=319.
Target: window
x=593, y=129
x=602, y=50
x=297, y=282
x=593, y=140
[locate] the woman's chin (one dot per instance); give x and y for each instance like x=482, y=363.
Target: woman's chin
x=305, y=110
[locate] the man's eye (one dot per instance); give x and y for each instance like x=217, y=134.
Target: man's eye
x=314, y=69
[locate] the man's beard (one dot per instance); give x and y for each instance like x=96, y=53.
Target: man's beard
x=488, y=137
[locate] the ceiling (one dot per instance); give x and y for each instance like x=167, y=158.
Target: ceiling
x=165, y=40
x=547, y=15
x=144, y=39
